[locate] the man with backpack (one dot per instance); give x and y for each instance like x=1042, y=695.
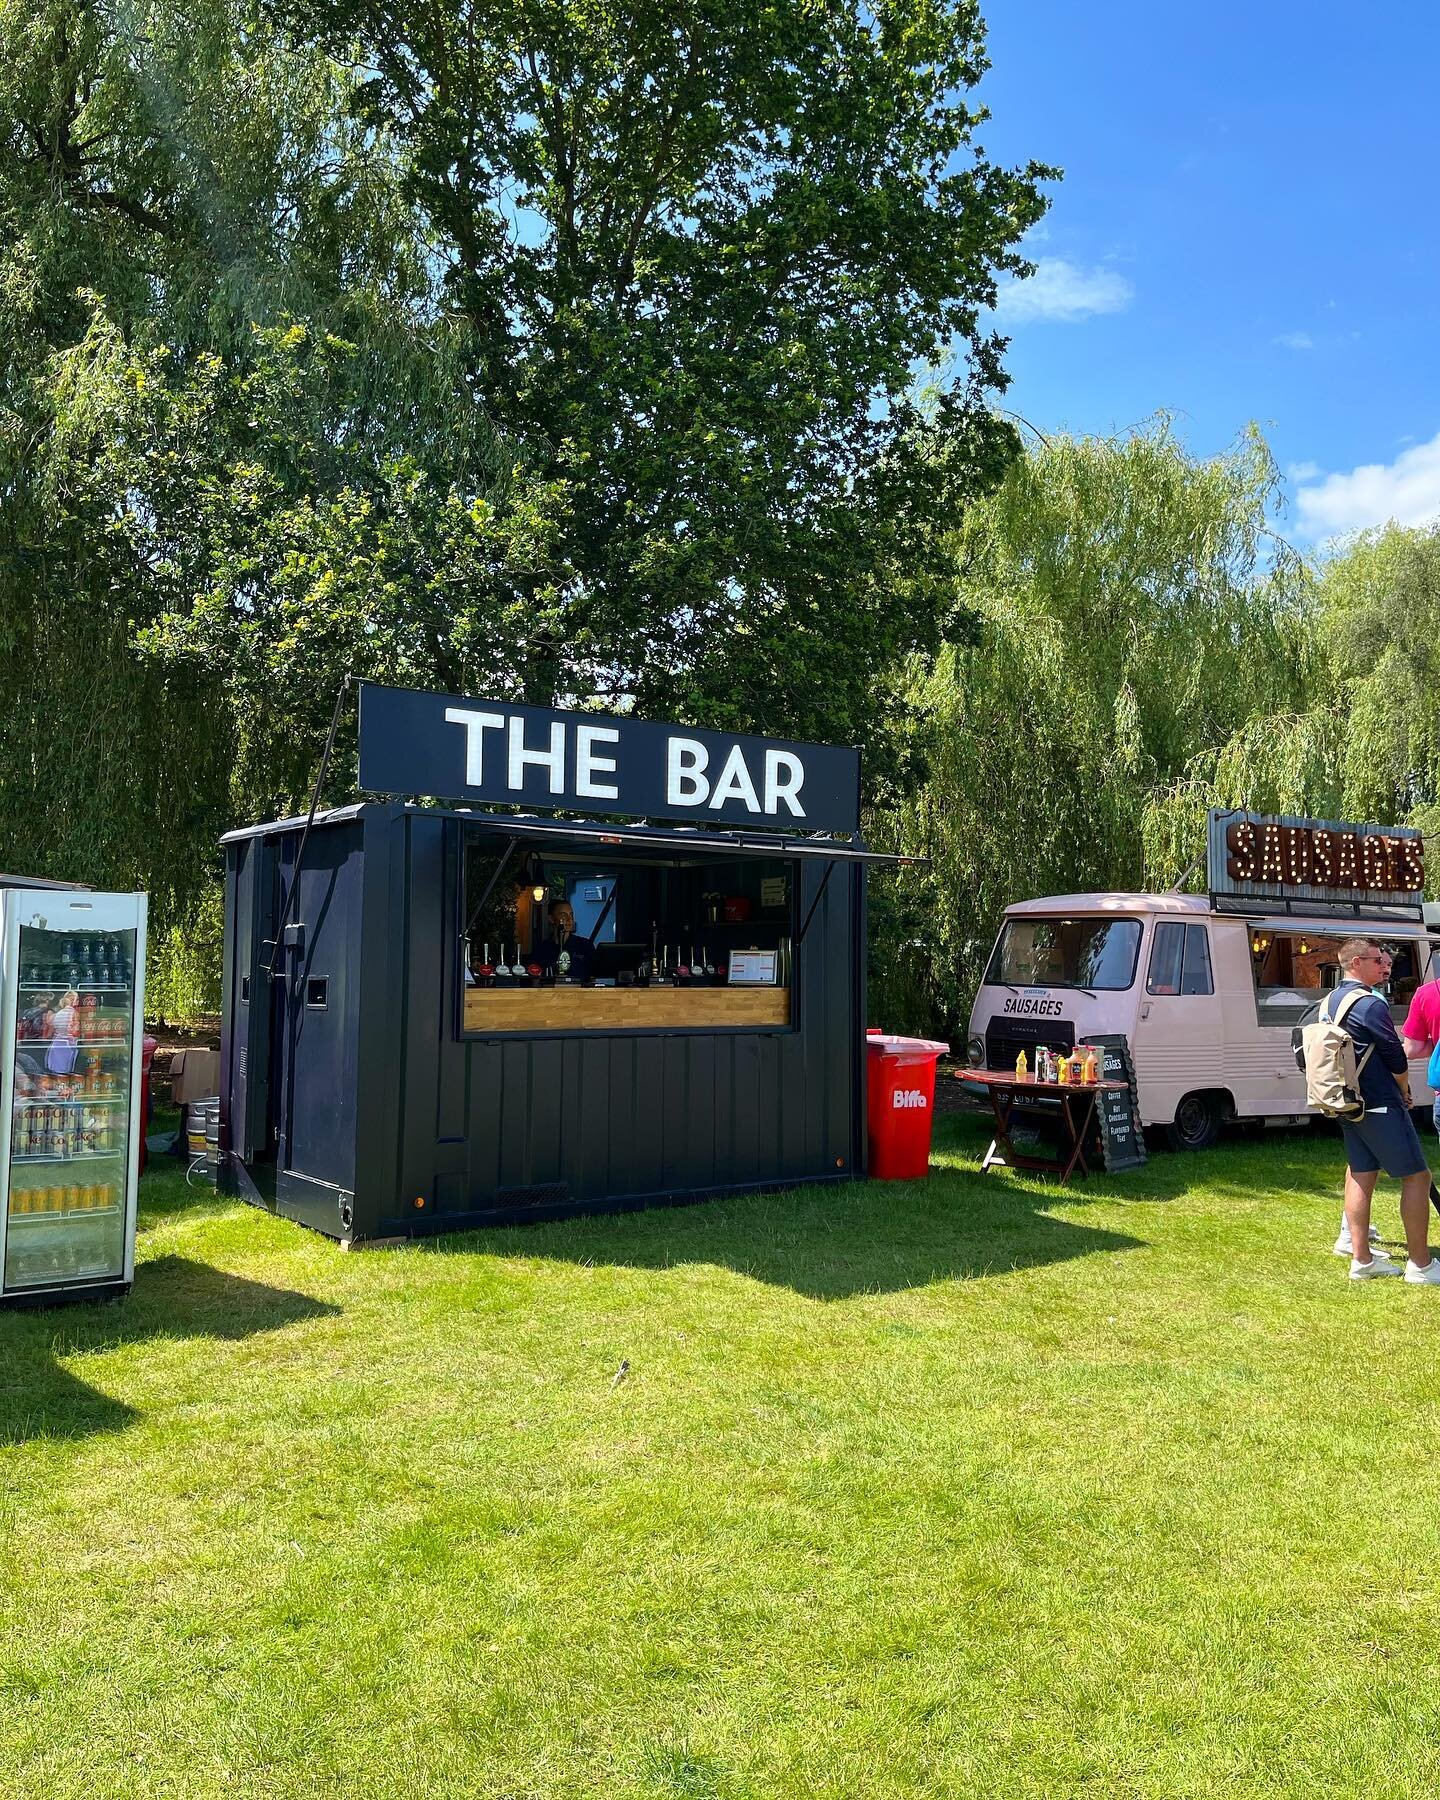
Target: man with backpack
x=1356, y=1071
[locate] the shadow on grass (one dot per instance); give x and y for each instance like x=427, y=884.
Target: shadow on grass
x=830, y=1242
x=175, y=1298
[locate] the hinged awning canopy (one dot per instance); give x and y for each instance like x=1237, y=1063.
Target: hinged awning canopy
x=595, y=835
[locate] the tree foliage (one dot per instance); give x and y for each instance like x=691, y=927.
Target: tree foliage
x=550, y=350
x=1134, y=614
x=700, y=254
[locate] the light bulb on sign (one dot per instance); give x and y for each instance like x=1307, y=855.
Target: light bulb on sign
x=538, y=892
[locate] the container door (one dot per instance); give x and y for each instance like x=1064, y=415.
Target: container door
x=315, y=1014
x=72, y=1023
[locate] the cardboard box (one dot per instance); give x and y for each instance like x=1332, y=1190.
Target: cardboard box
x=194, y=1075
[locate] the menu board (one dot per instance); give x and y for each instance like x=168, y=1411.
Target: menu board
x=752, y=968
x=1117, y=1110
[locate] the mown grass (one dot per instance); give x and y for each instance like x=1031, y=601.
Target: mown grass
x=967, y=1487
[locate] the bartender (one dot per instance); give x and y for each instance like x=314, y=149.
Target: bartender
x=565, y=954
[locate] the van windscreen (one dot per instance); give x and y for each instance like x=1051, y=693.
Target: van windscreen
x=1074, y=953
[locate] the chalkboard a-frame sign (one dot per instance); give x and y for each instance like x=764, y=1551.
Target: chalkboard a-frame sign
x=488, y=751
x=1117, y=1112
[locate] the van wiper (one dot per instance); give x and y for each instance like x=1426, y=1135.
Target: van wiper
x=1086, y=991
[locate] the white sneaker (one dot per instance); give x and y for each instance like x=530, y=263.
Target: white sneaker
x=1343, y=1246
x=1379, y=1264
x=1429, y=1276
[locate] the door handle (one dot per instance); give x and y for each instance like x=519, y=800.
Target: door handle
x=1145, y=1010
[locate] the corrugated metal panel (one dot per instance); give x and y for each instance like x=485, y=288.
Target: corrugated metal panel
x=521, y=1124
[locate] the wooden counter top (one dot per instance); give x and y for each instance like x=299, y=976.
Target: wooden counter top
x=623, y=1009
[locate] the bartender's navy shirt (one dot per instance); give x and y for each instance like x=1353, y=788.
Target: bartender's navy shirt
x=1368, y=1022
x=582, y=952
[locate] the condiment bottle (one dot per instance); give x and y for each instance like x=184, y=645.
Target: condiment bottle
x=1092, y=1069
x=1022, y=1068
x=1063, y=1074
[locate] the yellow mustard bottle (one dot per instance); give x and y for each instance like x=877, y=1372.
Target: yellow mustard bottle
x=1064, y=1073
x=1022, y=1068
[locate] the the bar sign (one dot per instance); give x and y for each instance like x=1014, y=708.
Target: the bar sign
x=451, y=748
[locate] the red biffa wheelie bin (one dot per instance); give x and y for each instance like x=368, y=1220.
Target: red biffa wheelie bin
x=900, y=1103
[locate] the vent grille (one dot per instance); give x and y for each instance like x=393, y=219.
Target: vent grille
x=545, y=1193
x=1002, y=1047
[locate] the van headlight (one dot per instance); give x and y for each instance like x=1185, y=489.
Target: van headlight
x=975, y=1052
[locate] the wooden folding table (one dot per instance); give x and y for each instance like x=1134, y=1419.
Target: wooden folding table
x=1076, y=1115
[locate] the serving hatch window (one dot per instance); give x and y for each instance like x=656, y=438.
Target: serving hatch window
x=641, y=938
x=1090, y=952
x=1295, y=969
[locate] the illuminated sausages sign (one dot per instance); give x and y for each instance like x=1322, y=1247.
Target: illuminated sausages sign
x=1258, y=855
x=491, y=752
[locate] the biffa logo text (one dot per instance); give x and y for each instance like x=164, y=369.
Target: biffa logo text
x=904, y=1097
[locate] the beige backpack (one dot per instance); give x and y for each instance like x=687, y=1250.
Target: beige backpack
x=1326, y=1052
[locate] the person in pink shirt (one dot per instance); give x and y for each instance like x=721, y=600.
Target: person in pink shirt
x=1421, y=1031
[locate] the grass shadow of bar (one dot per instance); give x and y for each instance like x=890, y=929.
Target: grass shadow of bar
x=832, y=1243
x=174, y=1297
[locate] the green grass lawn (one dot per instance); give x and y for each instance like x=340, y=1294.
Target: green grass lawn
x=947, y=1488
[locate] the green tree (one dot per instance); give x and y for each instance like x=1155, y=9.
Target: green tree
x=701, y=254
x=1362, y=740
x=1134, y=614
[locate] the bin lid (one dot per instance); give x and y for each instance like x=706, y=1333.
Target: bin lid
x=885, y=1045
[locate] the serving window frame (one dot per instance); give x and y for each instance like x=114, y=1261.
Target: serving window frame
x=643, y=845
x=1327, y=937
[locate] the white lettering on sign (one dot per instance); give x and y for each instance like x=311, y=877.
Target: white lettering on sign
x=777, y=790
x=552, y=759
x=735, y=784
x=687, y=763
x=904, y=1098
x=476, y=725
x=685, y=781
x=588, y=764
x=1024, y=1003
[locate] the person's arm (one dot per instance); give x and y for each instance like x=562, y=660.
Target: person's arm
x=1384, y=1036
x=1419, y=1027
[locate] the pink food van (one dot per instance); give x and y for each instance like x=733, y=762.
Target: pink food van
x=1205, y=997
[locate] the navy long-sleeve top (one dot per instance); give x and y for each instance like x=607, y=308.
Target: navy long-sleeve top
x=1369, y=1023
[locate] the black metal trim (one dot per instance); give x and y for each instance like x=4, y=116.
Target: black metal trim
x=819, y=896
x=320, y=774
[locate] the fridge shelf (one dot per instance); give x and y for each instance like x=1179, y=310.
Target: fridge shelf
x=59, y=1218
x=80, y=1043
x=29, y=1105
x=72, y=987
x=29, y=1157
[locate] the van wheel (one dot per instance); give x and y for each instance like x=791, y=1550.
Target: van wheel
x=1197, y=1123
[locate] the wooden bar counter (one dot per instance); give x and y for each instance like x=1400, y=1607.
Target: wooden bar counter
x=623, y=1009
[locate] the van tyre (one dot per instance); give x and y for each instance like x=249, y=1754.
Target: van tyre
x=1197, y=1123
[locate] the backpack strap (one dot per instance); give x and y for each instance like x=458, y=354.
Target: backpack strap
x=1340, y=1015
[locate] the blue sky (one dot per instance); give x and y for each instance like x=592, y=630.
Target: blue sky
x=1247, y=229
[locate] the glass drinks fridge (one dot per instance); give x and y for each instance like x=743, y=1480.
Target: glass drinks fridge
x=72, y=972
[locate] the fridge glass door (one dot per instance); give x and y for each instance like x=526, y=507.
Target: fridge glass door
x=71, y=1082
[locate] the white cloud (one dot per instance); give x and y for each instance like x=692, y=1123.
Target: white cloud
x=1295, y=340
x=1060, y=290
x=1304, y=471
x=1406, y=490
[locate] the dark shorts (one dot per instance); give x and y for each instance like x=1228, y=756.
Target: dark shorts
x=1384, y=1140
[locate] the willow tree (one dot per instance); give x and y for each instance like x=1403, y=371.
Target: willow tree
x=1363, y=740
x=231, y=426
x=1133, y=613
